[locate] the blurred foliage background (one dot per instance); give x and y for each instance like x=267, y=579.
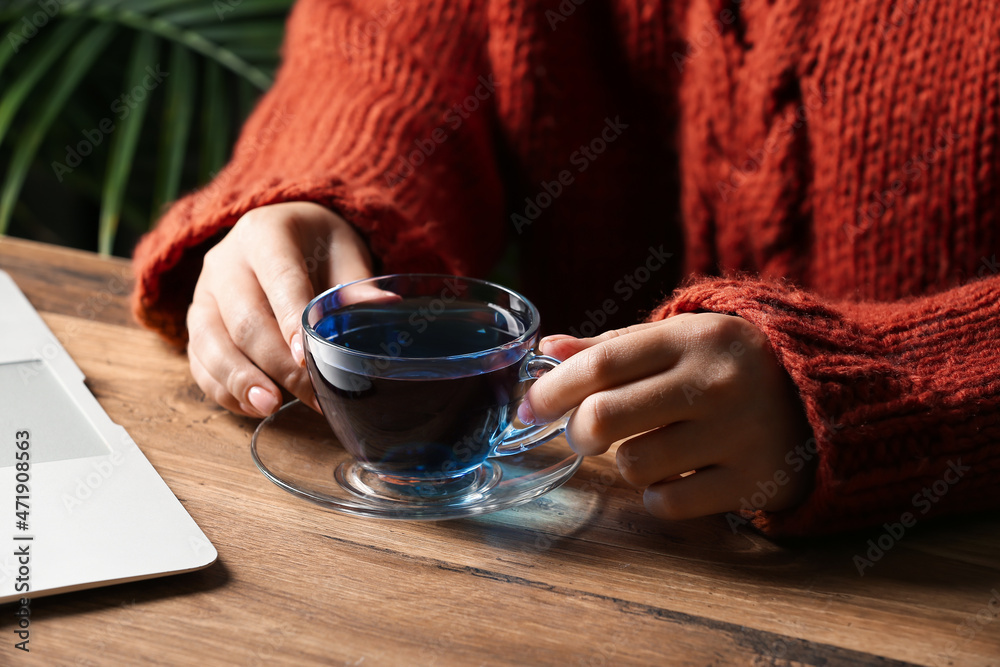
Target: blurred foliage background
x=111, y=109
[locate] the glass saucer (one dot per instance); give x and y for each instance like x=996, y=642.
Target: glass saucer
x=296, y=450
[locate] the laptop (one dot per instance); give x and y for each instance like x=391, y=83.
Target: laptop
x=80, y=506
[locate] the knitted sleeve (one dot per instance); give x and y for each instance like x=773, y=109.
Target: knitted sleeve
x=369, y=116
x=903, y=398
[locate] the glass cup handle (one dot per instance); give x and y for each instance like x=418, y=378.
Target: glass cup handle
x=516, y=440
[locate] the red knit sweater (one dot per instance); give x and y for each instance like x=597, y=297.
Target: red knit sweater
x=826, y=169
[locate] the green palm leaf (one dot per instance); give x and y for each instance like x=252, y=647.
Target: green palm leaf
x=125, y=142
x=176, y=126
x=177, y=32
x=154, y=154
x=18, y=92
x=211, y=12
x=214, y=142
x=79, y=61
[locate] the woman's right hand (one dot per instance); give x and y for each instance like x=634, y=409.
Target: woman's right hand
x=244, y=323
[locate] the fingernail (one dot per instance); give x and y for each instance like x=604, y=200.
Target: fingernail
x=555, y=338
x=298, y=353
x=525, y=413
x=262, y=400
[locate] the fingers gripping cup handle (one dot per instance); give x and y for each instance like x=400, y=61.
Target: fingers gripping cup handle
x=516, y=440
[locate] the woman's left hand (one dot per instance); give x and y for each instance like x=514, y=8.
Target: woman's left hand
x=695, y=392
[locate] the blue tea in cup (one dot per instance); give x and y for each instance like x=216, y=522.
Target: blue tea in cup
x=419, y=376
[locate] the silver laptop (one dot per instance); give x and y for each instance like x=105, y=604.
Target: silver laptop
x=80, y=506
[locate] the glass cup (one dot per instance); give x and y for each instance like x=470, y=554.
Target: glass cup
x=420, y=376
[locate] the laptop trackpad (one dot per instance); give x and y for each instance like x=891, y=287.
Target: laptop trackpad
x=34, y=400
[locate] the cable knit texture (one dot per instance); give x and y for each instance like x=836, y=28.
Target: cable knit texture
x=827, y=170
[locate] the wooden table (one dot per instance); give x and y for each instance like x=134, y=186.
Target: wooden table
x=595, y=582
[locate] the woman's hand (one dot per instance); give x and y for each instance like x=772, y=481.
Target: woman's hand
x=244, y=323
x=695, y=392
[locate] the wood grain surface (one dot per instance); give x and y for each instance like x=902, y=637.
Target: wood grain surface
x=580, y=576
